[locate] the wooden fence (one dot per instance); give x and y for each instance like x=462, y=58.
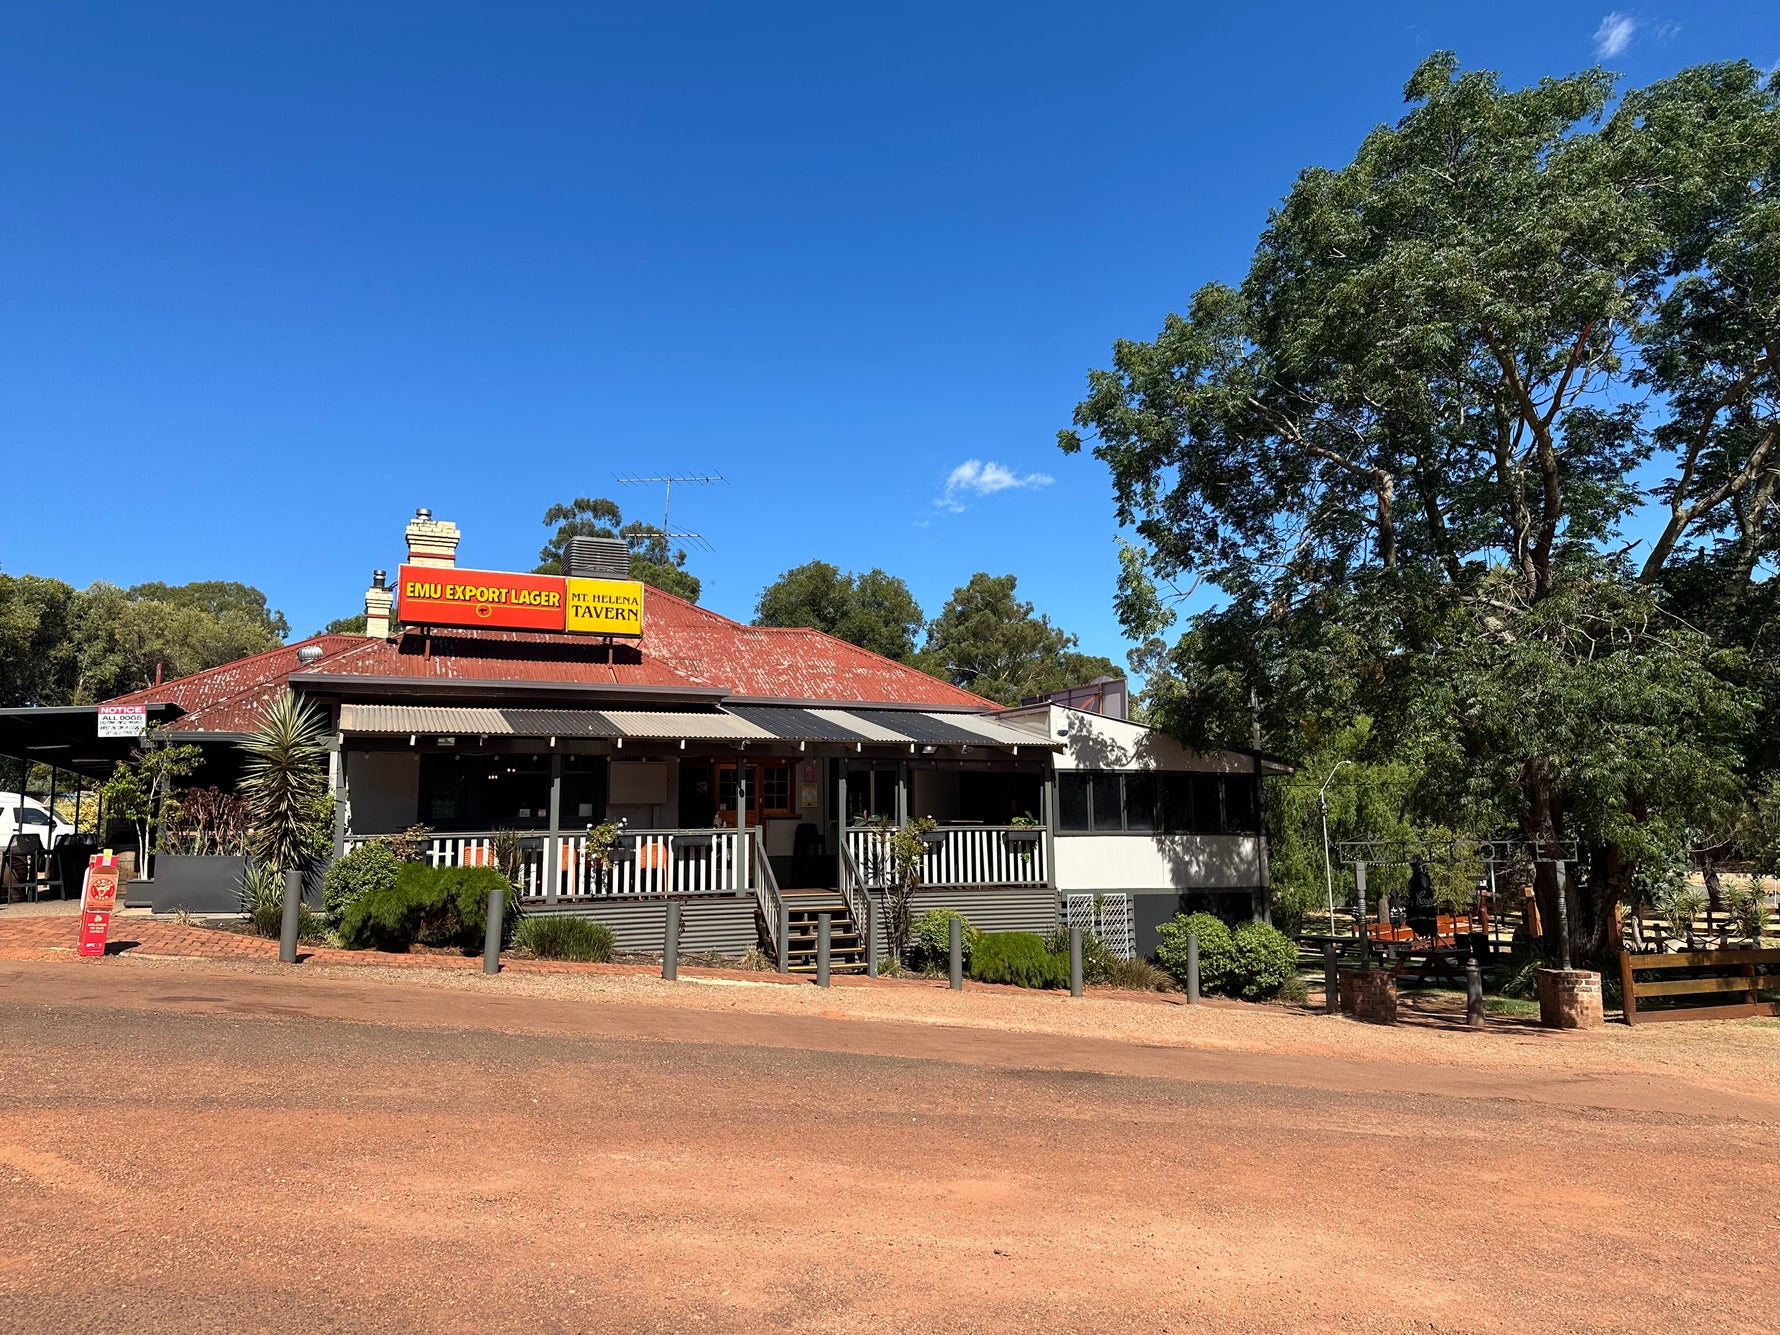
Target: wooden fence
x=1744, y=974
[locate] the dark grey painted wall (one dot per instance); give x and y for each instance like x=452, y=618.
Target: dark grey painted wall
x=1151, y=908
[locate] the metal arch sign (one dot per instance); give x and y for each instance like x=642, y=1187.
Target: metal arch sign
x=506, y=600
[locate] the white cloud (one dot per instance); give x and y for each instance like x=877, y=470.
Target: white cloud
x=976, y=477
x=1615, y=34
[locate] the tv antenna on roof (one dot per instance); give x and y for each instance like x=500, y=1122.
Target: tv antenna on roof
x=667, y=499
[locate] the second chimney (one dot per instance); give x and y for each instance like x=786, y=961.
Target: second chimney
x=431, y=542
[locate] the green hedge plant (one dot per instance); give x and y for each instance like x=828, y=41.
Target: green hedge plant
x=1265, y=960
x=1217, y=951
x=930, y=940
x=557, y=936
x=1020, y=958
x=432, y=906
x=370, y=866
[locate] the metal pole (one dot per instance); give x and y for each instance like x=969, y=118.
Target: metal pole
x=491, y=928
x=1563, y=898
x=1331, y=979
x=784, y=937
x=824, y=942
x=287, y=935
x=1328, y=864
x=871, y=935
x=1473, y=993
x=741, y=824
x=957, y=943
x=670, y=946
x=1075, y=961
x=1360, y=901
x=1193, y=967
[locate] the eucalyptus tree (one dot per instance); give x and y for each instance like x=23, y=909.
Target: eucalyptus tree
x=1414, y=447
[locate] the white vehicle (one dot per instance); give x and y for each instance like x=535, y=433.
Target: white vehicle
x=28, y=815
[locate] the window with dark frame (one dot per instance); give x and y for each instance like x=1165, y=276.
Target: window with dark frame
x=1148, y=803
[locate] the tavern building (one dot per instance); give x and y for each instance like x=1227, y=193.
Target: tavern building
x=753, y=769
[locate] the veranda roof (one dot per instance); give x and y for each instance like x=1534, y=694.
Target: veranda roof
x=736, y=723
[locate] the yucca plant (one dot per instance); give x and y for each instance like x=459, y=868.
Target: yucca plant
x=285, y=784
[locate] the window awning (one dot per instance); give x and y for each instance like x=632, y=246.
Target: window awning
x=737, y=723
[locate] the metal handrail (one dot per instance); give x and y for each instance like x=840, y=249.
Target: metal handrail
x=766, y=891
x=856, y=897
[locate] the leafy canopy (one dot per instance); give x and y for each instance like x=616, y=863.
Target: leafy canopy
x=989, y=641
x=874, y=610
x=653, y=560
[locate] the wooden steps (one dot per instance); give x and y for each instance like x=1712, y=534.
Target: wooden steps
x=846, y=946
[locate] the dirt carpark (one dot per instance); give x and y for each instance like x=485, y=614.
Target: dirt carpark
x=199, y=1145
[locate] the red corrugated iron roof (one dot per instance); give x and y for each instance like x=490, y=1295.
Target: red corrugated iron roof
x=682, y=646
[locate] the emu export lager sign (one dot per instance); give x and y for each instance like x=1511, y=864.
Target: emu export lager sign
x=432, y=596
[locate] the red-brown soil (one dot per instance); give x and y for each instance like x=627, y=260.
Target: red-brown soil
x=222, y=1145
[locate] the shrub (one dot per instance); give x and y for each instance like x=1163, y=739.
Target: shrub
x=435, y=906
x=1295, y=992
x=1217, y=951
x=1137, y=975
x=930, y=940
x=1265, y=958
x=1098, y=960
x=262, y=904
x=1019, y=958
x=370, y=866
x=559, y=937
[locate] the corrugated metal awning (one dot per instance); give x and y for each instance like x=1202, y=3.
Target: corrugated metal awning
x=740, y=723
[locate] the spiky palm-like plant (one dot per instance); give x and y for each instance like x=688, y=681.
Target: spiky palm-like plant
x=286, y=782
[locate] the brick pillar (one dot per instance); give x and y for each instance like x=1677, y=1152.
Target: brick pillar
x=1368, y=994
x=1569, y=998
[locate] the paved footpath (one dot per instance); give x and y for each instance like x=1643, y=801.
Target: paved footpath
x=226, y=1144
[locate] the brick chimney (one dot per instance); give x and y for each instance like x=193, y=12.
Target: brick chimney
x=378, y=602
x=431, y=542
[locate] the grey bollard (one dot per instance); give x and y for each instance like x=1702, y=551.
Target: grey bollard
x=1331, y=979
x=871, y=937
x=1193, y=967
x=287, y=931
x=1473, y=994
x=1075, y=961
x=784, y=962
x=670, y=948
x=957, y=927
x=491, y=928
x=824, y=944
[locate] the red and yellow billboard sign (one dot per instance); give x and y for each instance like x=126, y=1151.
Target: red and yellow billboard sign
x=432, y=596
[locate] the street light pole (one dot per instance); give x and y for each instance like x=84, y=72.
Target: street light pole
x=1322, y=803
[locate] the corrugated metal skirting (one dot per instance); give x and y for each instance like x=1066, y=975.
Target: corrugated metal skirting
x=719, y=926
x=1031, y=909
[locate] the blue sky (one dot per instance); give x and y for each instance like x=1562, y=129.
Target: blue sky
x=277, y=275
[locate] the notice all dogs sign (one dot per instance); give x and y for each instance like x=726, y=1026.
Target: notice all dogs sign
x=123, y=720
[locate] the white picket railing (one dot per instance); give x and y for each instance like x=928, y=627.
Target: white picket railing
x=960, y=855
x=647, y=862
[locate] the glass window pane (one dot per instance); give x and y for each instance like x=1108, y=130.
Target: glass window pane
x=1207, y=805
x=1140, y=802
x=1242, y=807
x=1072, y=802
x=1177, y=803
x=1106, y=802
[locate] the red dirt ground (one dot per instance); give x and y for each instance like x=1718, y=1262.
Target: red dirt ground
x=227, y=1145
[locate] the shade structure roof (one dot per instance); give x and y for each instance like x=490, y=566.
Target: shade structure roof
x=736, y=723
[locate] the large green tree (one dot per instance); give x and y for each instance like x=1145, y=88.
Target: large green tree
x=61, y=645
x=874, y=610
x=653, y=558
x=988, y=640
x=1413, y=447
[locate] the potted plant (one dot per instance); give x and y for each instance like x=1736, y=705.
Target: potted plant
x=1026, y=829
x=202, y=858
x=930, y=835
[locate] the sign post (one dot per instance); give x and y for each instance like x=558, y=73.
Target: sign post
x=98, y=897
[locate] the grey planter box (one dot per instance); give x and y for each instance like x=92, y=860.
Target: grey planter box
x=201, y=884
x=1026, y=836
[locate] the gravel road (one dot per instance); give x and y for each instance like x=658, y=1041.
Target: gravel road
x=198, y=1147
